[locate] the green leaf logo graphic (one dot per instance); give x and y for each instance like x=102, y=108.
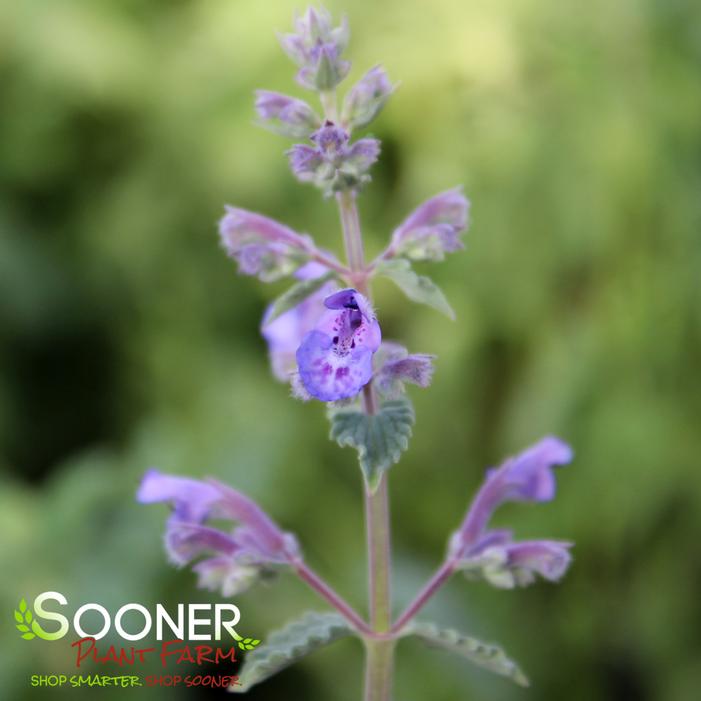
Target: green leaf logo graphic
x=23, y=618
x=246, y=643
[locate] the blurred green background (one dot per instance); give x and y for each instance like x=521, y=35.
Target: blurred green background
x=128, y=341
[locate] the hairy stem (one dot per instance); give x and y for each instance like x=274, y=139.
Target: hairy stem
x=336, y=600
x=441, y=576
x=352, y=238
x=377, y=520
x=329, y=104
x=379, y=662
x=379, y=668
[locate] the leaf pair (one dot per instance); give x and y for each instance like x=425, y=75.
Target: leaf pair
x=418, y=288
x=314, y=630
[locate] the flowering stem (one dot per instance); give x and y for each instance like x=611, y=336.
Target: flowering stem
x=352, y=237
x=443, y=573
x=336, y=600
x=380, y=652
x=328, y=102
x=329, y=262
x=379, y=667
x=377, y=520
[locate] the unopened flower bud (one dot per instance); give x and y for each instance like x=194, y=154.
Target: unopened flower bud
x=433, y=229
x=262, y=246
x=366, y=98
x=285, y=115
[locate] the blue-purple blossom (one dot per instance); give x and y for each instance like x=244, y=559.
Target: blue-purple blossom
x=316, y=47
x=493, y=553
x=262, y=246
x=432, y=229
x=366, y=98
x=285, y=333
x=335, y=358
x=233, y=558
x=285, y=115
x=332, y=164
x=506, y=563
x=395, y=366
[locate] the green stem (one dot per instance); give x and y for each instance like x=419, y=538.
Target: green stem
x=379, y=659
x=379, y=668
x=328, y=103
x=377, y=520
x=352, y=237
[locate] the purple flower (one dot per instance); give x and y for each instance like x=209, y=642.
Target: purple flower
x=285, y=115
x=493, y=553
x=366, y=98
x=433, y=229
x=331, y=163
x=361, y=155
x=335, y=358
x=305, y=162
x=236, y=557
x=316, y=48
x=396, y=366
x=262, y=246
x=285, y=333
x=331, y=141
x=510, y=564
x=524, y=477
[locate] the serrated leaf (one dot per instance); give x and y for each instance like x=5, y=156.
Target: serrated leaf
x=379, y=439
x=28, y=616
x=22, y=627
x=18, y=617
x=486, y=655
x=22, y=605
x=417, y=288
x=289, y=644
x=296, y=294
x=29, y=636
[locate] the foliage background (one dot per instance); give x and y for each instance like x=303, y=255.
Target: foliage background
x=127, y=340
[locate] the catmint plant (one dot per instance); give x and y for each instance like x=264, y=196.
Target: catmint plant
x=326, y=341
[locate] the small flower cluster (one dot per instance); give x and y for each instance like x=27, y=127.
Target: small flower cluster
x=331, y=162
x=325, y=343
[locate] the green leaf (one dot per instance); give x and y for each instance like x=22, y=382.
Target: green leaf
x=289, y=644
x=29, y=636
x=486, y=655
x=23, y=605
x=21, y=627
x=28, y=616
x=18, y=617
x=379, y=439
x=417, y=288
x=296, y=294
